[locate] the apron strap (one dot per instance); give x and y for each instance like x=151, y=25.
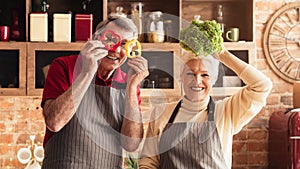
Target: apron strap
x=171, y=120
x=211, y=110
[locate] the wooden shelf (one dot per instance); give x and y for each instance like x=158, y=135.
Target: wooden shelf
x=30, y=49
x=211, y=0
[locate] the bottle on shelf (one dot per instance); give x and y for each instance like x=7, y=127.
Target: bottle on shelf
x=86, y=6
x=44, y=9
x=137, y=17
x=45, y=6
x=15, y=29
x=220, y=19
x=169, y=34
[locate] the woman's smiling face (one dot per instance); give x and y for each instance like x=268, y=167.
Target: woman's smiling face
x=196, y=80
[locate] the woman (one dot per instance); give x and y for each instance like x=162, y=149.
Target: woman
x=198, y=132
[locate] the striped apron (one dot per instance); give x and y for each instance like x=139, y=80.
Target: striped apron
x=91, y=139
x=199, y=149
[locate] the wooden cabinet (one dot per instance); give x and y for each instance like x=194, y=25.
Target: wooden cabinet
x=16, y=79
x=162, y=65
x=164, y=69
x=40, y=55
x=12, y=68
x=236, y=13
x=245, y=51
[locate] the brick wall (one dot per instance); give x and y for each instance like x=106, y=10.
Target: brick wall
x=21, y=117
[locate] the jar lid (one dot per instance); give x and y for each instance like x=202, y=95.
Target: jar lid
x=156, y=13
x=168, y=21
x=135, y=4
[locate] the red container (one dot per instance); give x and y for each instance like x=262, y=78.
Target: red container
x=83, y=27
x=284, y=140
x=4, y=33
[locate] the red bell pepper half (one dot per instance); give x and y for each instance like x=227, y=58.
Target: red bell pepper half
x=110, y=39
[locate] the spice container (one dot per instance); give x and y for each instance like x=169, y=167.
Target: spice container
x=39, y=27
x=155, y=27
x=83, y=27
x=62, y=27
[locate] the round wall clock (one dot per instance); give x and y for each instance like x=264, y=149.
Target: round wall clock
x=281, y=42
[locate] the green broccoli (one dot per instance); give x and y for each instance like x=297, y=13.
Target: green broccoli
x=202, y=38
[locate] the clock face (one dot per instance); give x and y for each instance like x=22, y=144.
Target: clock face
x=281, y=42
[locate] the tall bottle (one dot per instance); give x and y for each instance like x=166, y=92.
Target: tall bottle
x=86, y=6
x=45, y=6
x=137, y=17
x=220, y=19
x=44, y=9
x=16, y=33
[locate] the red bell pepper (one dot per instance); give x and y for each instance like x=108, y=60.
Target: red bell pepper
x=110, y=39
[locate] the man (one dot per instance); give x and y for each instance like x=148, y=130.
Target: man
x=88, y=101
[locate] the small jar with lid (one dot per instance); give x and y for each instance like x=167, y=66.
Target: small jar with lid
x=155, y=27
x=119, y=13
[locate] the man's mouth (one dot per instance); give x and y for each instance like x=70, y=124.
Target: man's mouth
x=197, y=88
x=112, y=57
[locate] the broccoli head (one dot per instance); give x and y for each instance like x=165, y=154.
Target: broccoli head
x=202, y=38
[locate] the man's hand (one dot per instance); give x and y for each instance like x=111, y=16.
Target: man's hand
x=91, y=54
x=138, y=71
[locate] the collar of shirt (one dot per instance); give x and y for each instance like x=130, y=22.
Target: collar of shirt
x=118, y=76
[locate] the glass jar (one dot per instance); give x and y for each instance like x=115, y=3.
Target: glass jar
x=155, y=27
